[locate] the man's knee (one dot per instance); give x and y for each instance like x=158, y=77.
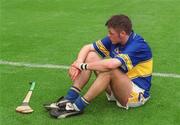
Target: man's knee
x=116, y=72
x=105, y=74
x=92, y=57
x=112, y=73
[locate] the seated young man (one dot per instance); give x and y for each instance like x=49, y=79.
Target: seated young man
x=124, y=70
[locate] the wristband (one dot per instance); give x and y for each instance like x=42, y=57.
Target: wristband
x=83, y=66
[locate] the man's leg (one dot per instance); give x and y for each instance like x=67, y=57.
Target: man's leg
x=121, y=86
x=119, y=82
x=79, y=83
x=84, y=76
x=82, y=79
x=100, y=84
x=115, y=81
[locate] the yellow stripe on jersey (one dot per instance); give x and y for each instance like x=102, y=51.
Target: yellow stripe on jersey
x=102, y=48
x=142, y=69
x=127, y=60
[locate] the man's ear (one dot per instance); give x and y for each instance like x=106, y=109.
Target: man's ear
x=123, y=33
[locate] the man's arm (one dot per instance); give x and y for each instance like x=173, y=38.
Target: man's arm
x=84, y=52
x=103, y=65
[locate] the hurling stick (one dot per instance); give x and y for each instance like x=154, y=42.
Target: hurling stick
x=24, y=107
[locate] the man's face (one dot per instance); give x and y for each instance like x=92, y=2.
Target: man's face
x=113, y=35
x=116, y=37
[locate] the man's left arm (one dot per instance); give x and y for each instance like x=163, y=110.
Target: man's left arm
x=103, y=65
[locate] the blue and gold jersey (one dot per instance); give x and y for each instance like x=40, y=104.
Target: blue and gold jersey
x=135, y=56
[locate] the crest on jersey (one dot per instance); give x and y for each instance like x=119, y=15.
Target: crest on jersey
x=117, y=50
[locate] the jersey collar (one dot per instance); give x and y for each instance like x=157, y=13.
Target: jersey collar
x=131, y=37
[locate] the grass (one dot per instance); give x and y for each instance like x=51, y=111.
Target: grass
x=53, y=31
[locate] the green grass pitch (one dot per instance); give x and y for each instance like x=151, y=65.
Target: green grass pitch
x=53, y=31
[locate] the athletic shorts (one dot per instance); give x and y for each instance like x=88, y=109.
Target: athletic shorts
x=137, y=99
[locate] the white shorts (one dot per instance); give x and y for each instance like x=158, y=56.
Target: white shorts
x=137, y=99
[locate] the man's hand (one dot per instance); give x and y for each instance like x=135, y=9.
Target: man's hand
x=74, y=71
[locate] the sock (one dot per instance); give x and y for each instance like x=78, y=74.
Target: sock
x=80, y=103
x=72, y=94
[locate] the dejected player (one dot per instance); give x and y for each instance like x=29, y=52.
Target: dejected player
x=124, y=70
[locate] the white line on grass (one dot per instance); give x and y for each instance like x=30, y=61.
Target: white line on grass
x=22, y=64
x=52, y=66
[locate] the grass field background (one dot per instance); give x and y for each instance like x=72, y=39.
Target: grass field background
x=53, y=31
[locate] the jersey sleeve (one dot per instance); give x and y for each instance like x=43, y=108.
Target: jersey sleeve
x=133, y=55
x=103, y=46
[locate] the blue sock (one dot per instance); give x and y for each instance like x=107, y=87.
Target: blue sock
x=80, y=103
x=72, y=94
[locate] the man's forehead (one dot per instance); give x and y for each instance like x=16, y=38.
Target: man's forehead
x=111, y=30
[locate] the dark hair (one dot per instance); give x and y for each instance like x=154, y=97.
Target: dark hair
x=120, y=23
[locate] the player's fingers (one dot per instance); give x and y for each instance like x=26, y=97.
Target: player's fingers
x=75, y=75
x=71, y=71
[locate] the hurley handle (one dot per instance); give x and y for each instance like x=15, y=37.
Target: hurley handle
x=32, y=85
x=28, y=95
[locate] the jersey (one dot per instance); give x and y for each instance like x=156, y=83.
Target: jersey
x=135, y=57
